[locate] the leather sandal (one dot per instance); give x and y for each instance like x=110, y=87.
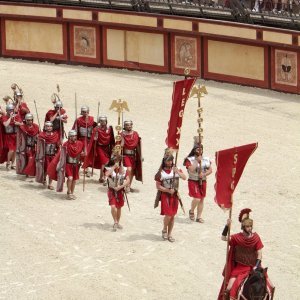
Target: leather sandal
x=191, y=215
x=199, y=220
x=171, y=239
x=164, y=235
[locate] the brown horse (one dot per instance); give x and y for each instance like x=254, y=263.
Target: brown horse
x=256, y=286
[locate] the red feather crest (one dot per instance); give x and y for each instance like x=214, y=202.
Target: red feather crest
x=243, y=212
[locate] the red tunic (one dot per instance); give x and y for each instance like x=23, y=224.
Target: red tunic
x=56, y=121
x=50, y=138
x=195, y=189
x=235, y=269
x=169, y=203
x=10, y=138
x=104, y=143
x=31, y=131
x=74, y=150
x=131, y=141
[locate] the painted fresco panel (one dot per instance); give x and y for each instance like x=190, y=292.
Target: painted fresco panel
x=85, y=41
x=185, y=52
x=286, y=66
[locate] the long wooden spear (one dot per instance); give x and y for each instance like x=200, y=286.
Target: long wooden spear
x=95, y=141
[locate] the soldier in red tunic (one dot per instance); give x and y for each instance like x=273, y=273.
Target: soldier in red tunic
x=84, y=126
x=58, y=117
x=100, y=147
x=245, y=254
x=52, y=143
x=197, y=179
x=118, y=179
x=167, y=182
x=130, y=141
x=74, y=151
x=10, y=122
x=31, y=131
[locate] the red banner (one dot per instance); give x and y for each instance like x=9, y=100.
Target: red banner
x=230, y=166
x=181, y=92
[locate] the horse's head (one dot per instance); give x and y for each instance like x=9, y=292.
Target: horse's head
x=255, y=286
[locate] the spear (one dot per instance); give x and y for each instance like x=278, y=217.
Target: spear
x=95, y=142
x=37, y=115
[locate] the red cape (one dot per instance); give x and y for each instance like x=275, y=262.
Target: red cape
x=81, y=122
x=31, y=131
x=241, y=240
x=50, y=138
x=23, y=110
x=52, y=112
x=130, y=140
x=105, y=137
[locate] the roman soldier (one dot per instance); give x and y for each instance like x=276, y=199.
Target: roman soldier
x=167, y=179
x=10, y=122
x=118, y=178
x=84, y=126
x=198, y=167
x=21, y=107
x=100, y=147
x=58, y=117
x=48, y=146
x=131, y=142
x=245, y=254
x=30, y=132
x=74, y=151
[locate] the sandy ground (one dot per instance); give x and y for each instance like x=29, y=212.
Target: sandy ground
x=51, y=248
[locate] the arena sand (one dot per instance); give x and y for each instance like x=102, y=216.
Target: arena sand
x=51, y=248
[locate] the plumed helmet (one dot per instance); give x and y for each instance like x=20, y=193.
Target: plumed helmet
x=58, y=104
x=85, y=108
x=72, y=133
x=48, y=123
x=102, y=118
x=244, y=217
x=29, y=116
x=9, y=107
x=168, y=155
x=196, y=142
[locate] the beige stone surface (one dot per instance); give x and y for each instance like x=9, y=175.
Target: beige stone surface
x=236, y=60
x=127, y=19
x=178, y=24
x=34, y=36
x=232, y=31
x=28, y=11
x=77, y=14
x=115, y=44
x=51, y=248
x=277, y=37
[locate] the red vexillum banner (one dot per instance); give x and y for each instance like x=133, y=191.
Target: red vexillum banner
x=181, y=92
x=230, y=166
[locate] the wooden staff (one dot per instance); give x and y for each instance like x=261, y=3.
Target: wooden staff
x=119, y=106
x=37, y=115
x=235, y=158
x=95, y=141
x=75, y=111
x=177, y=192
x=198, y=91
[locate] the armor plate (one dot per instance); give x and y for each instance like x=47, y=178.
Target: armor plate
x=245, y=256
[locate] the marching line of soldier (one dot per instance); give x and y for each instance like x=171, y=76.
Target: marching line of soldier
x=42, y=153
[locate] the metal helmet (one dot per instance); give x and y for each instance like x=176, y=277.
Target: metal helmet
x=18, y=93
x=102, y=118
x=85, y=108
x=72, y=133
x=48, y=123
x=29, y=116
x=58, y=104
x=128, y=122
x=244, y=217
x=9, y=107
